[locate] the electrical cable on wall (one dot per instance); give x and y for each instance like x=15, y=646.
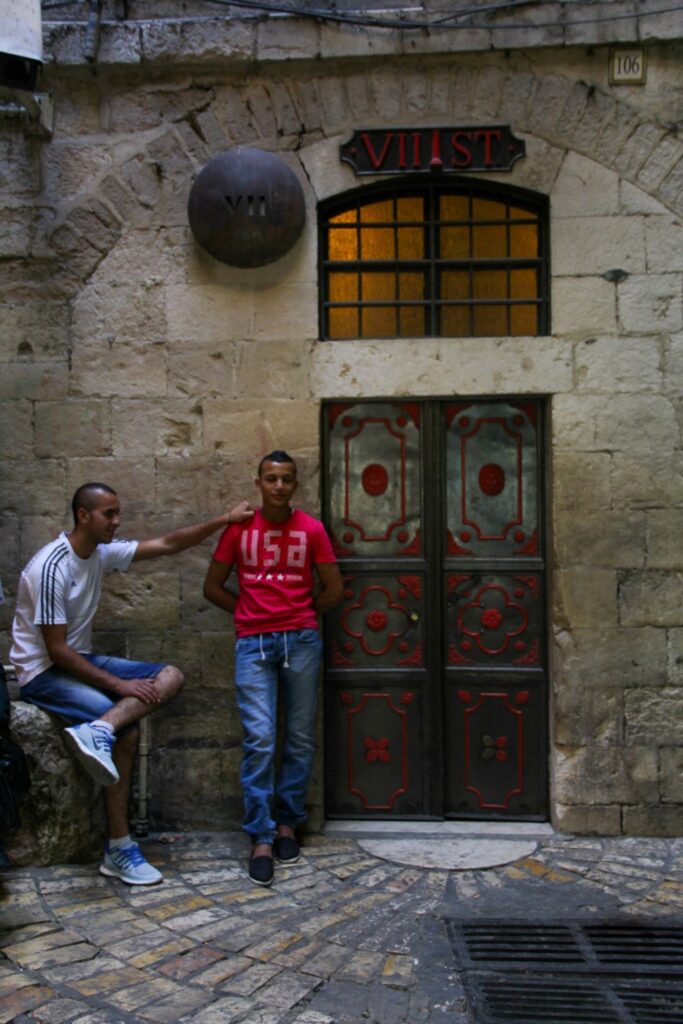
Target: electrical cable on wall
x=445, y=23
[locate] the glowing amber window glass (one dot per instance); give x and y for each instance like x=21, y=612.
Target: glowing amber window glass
x=437, y=258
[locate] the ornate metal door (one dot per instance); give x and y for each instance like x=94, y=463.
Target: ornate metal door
x=435, y=695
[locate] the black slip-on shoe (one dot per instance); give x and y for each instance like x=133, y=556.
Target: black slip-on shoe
x=286, y=850
x=261, y=870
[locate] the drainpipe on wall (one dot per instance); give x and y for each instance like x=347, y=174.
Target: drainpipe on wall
x=92, y=31
x=141, y=827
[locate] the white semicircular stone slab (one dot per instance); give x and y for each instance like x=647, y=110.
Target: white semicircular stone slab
x=449, y=854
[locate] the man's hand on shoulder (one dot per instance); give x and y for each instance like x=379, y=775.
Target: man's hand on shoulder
x=240, y=513
x=187, y=536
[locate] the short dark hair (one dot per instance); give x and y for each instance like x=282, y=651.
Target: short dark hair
x=276, y=456
x=85, y=497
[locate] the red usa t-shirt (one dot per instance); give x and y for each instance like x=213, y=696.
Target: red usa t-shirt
x=275, y=570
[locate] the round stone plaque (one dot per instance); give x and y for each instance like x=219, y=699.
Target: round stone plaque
x=246, y=207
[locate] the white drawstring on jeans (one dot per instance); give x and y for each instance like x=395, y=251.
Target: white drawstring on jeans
x=285, y=664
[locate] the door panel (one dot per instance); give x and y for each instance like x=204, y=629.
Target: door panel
x=491, y=480
x=379, y=625
x=376, y=747
x=495, y=733
x=374, y=472
x=493, y=620
x=435, y=660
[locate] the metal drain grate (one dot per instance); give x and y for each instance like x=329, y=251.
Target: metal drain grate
x=545, y=999
x=654, y=1003
x=609, y=947
x=496, y=944
x=645, y=947
x=540, y=1000
x=577, y=973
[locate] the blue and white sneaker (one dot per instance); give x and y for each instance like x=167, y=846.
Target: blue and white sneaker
x=128, y=864
x=92, y=746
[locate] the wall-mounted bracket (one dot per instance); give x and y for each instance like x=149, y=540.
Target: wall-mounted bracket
x=35, y=111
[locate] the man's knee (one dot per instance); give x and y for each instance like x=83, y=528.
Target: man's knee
x=173, y=680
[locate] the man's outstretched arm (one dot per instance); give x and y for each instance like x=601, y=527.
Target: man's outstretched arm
x=332, y=587
x=187, y=536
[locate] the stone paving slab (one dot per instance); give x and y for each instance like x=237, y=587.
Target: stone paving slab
x=340, y=938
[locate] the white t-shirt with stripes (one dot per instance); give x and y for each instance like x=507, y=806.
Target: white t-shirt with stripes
x=58, y=587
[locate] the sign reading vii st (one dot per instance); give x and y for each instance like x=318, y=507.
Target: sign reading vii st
x=411, y=150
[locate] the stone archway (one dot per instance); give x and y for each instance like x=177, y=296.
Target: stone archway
x=292, y=115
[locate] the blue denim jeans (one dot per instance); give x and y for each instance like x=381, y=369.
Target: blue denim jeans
x=76, y=701
x=263, y=664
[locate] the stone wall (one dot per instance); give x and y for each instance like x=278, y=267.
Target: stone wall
x=131, y=356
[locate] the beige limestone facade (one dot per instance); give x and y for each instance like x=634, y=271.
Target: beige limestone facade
x=132, y=356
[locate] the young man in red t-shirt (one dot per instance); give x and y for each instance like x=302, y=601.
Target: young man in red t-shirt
x=278, y=644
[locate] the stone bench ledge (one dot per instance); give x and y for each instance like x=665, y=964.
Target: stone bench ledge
x=62, y=815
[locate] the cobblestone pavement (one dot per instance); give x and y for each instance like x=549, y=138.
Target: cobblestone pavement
x=340, y=938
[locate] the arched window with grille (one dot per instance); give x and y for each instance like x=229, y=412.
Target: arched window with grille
x=434, y=259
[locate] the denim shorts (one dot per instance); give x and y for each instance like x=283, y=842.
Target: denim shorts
x=55, y=691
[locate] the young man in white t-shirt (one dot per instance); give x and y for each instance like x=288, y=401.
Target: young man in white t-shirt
x=278, y=646
x=103, y=698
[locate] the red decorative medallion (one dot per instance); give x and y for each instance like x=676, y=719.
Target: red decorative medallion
x=376, y=621
x=494, y=748
x=375, y=479
x=492, y=479
x=377, y=750
x=491, y=618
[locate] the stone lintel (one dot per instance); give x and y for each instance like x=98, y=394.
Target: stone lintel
x=207, y=40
